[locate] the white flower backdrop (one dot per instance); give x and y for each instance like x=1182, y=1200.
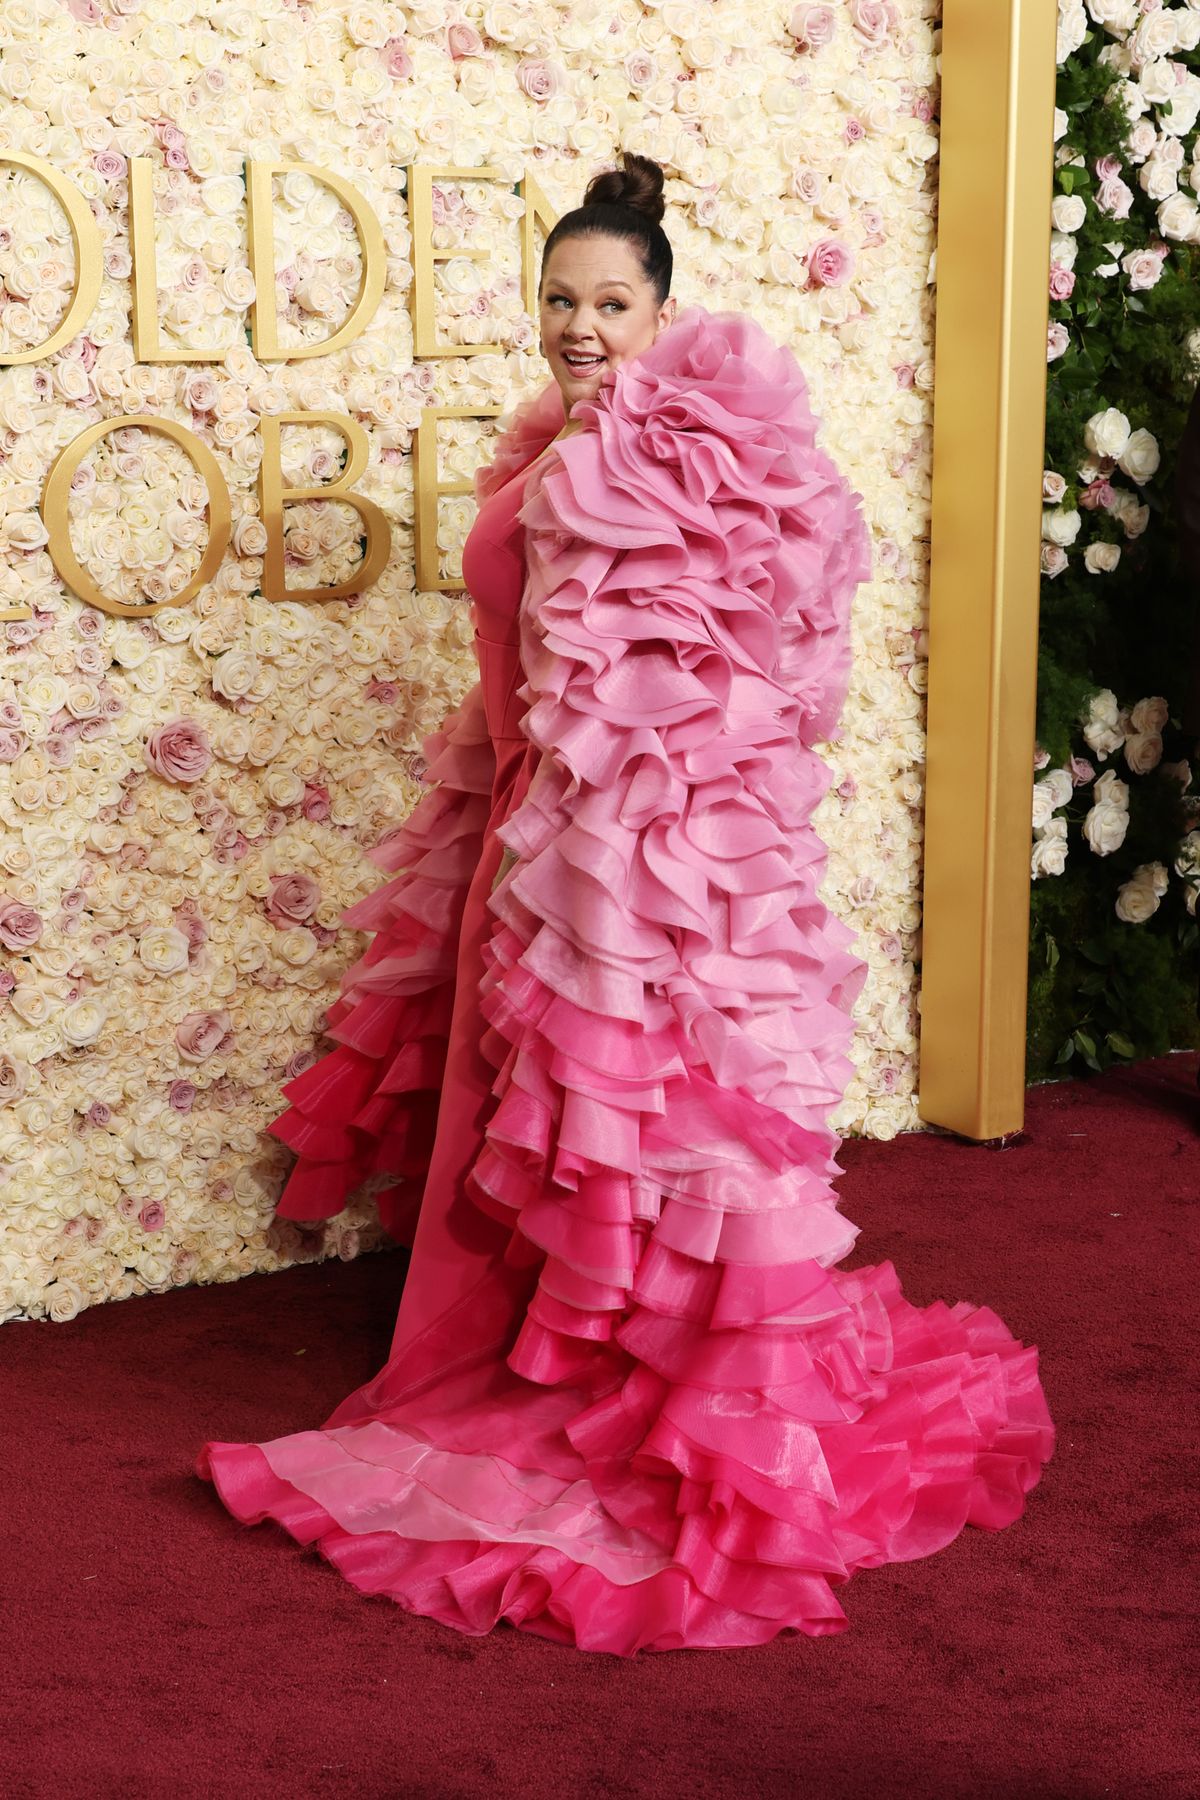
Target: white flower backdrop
x=186, y=798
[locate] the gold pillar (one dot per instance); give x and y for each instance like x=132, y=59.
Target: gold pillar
x=998, y=76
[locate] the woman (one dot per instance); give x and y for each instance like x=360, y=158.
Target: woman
x=630, y=1403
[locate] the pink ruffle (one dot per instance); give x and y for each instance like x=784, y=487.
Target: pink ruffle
x=700, y=1427
x=370, y=1106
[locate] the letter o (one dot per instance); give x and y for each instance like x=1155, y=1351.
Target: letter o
x=57, y=493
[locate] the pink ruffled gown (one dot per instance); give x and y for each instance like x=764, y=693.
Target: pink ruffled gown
x=631, y=1402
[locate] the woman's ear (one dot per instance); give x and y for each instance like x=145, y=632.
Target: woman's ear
x=666, y=312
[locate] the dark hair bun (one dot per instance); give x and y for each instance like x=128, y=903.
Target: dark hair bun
x=638, y=184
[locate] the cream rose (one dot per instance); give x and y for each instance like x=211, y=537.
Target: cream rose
x=1107, y=433
x=1139, y=898
x=1140, y=457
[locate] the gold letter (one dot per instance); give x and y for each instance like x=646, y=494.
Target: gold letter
x=146, y=344
x=273, y=497
x=57, y=493
x=89, y=255
x=421, y=177
x=428, y=490
x=264, y=326
x=538, y=211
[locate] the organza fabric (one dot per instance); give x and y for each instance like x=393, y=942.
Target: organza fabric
x=631, y=1401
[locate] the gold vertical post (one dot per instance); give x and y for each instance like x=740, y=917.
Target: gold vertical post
x=998, y=76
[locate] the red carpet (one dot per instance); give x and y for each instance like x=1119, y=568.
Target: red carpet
x=155, y=1648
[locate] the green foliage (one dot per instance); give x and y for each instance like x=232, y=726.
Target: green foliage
x=1102, y=990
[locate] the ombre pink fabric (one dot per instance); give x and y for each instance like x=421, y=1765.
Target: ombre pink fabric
x=632, y=1403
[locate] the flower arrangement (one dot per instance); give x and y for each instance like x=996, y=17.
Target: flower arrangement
x=189, y=795
x=1113, y=972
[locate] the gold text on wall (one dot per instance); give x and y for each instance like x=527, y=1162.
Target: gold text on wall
x=149, y=347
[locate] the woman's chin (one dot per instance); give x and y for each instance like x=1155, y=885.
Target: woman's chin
x=579, y=387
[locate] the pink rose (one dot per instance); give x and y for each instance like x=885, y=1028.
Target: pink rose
x=812, y=26
x=20, y=926
x=86, y=11
x=292, y=899
x=181, y=1096
x=463, y=40
x=855, y=131
x=1144, y=267
x=640, y=69
x=1096, y=496
x=8, y=982
x=872, y=19
x=1081, y=771
x=109, y=165
x=905, y=375
x=396, y=59
x=539, y=78
x=152, y=1216
x=193, y=928
x=1113, y=196
x=315, y=804
x=298, y=1062
x=179, y=751
x=200, y=1033
x=1062, y=282
x=98, y=1113
x=830, y=264
x=12, y=744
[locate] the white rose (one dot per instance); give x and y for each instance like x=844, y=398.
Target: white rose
x=1060, y=527
x=1102, y=732
x=1138, y=898
x=1064, y=249
x=1049, y=850
x=163, y=950
x=1072, y=28
x=1153, y=37
x=1105, y=827
x=1140, y=457
x=1117, y=16
x=1177, y=217
x=1053, y=487
x=1106, y=433
x=1185, y=107
x=1187, y=860
x=1158, y=178
x=83, y=1022
x=1129, y=513
x=1068, y=212
x=1101, y=559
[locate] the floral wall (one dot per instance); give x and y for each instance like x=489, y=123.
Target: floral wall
x=187, y=797
x=1116, y=869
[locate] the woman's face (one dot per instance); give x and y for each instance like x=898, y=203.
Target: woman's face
x=597, y=311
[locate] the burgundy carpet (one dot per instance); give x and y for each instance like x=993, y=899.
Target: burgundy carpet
x=154, y=1648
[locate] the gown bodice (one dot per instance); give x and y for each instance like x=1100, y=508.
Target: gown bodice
x=494, y=572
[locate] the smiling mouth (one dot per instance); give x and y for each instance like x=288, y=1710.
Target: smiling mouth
x=581, y=363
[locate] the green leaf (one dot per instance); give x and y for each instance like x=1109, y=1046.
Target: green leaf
x=1067, y=1052
x=1051, y=952
x=1119, y=1044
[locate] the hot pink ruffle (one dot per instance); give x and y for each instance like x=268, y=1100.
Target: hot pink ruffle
x=700, y=1427
x=370, y=1106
